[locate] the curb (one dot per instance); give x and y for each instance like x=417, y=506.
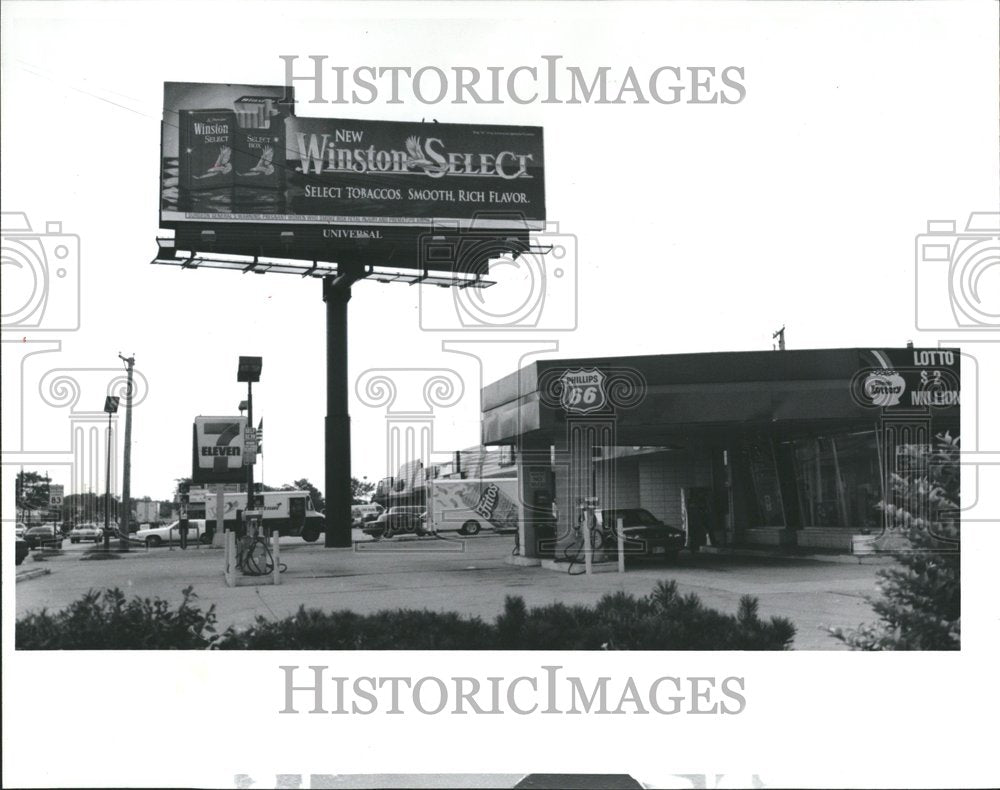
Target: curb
x=848, y=559
x=23, y=576
x=564, y=567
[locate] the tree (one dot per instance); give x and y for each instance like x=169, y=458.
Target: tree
x=31, y=491
x=314, y=493
x=919, y=607
x=361, y=489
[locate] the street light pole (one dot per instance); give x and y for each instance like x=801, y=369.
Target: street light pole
x=127, y=462
x=249, y=371
x=111, y=407
x=249, y=426
x=107, y=493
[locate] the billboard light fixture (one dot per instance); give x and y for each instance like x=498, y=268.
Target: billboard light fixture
x=191, y=259
x=249, y=369
x=167, y=248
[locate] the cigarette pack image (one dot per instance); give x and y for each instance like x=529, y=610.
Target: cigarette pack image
x=206, y=148
x=259, y=155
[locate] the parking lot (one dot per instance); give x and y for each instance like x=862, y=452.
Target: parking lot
x=465, y=575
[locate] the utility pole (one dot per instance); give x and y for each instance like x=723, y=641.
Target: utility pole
x=124, y=520
x=780, y=335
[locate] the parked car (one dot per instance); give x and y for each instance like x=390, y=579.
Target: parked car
x=44, y=535
x=85, y=532
x=410, y=519
x=645, y=535
x=19, y=530
x=157, y=536
x=362, y=514
x=20, y=550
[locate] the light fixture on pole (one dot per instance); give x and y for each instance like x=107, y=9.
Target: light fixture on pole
x=243, y=406
x=249, y=371
x=111, y=407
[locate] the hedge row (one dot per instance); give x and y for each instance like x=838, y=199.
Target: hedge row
x=662, y=620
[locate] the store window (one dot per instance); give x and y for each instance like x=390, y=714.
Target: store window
x=766, y=483
x=838, y=480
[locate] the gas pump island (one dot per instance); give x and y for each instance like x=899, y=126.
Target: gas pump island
x=248, y=186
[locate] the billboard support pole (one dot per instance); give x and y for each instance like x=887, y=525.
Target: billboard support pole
x=336, y=294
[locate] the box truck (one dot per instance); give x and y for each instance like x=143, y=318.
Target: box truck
x=290, y=512
x=469, y=506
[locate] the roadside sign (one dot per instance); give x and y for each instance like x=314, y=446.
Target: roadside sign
x=217, y=450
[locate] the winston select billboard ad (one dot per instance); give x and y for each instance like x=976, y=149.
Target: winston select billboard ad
x=237, y=154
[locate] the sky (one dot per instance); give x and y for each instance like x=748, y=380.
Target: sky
x=691, y=227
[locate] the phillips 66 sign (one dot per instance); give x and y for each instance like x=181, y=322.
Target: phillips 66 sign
x=583, y=391
x=218, y=450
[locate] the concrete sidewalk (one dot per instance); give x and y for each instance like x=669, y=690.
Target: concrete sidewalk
x=469, y=576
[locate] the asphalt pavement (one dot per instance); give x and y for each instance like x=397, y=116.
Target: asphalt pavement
x=467, y=575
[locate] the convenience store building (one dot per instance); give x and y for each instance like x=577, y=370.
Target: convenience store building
x=791, y=448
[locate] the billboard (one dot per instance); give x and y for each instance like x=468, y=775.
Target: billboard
x=241, y=173
x=218, y=450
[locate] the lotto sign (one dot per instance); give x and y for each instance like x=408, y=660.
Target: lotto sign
x=583, y=391
x=914, y=379
x=218, y=449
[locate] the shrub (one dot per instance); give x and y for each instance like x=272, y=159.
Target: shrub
x=401, y=629
x=662, y=620
x=106, y=621
x=919, y=606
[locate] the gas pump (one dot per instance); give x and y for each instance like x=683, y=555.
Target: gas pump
x=588, y=533
x=252, y=554
x=544, y=518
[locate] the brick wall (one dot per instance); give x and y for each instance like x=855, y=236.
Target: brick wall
x=662, y=476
